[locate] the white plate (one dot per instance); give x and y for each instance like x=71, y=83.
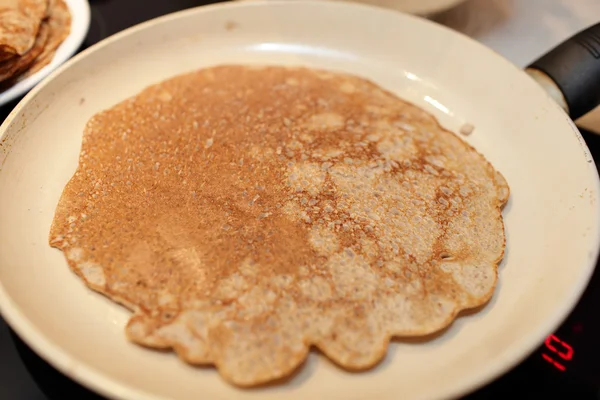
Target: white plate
x=80, y=23
x=552, y=218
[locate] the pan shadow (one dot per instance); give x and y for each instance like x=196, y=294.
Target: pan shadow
x=308, y=368
x=447, y=332
x=297, y=378
x=505, y=212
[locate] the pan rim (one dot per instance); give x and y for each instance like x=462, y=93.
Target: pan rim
x=99, y=382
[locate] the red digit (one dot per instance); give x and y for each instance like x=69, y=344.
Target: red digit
x=569, y=352
x=551, y=361
x=566, y=354
x=549, y=345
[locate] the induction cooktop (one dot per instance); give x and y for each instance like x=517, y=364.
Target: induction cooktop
x=566, y=365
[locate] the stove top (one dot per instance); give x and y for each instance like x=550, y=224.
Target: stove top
x=566, y=366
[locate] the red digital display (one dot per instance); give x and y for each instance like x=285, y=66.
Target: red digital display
x=560, y=351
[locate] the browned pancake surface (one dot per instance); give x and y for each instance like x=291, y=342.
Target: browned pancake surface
x=245, y=214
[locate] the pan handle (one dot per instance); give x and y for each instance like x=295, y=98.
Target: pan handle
x=570, y=72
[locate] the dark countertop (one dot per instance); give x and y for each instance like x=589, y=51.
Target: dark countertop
x=15, y=381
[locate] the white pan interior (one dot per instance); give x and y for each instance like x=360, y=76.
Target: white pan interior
x=551, y=219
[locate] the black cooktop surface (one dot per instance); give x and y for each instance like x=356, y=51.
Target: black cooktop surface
x=566, y=366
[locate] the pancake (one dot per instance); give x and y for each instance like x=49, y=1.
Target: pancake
x=16, y=65
x=245, y=214
x=59, y=25
x=20, y=21
x=54, y=30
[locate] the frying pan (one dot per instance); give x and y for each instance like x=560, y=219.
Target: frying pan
x=552, y=218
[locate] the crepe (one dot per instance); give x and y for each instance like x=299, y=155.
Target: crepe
x=245, y=214
x=54, y=29
x=59, y=24
x=20, y=21
x=16, y=65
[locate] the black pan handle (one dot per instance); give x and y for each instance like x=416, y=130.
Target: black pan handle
x=571, y=72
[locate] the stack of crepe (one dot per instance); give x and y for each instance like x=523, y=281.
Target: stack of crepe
x=30, y=33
